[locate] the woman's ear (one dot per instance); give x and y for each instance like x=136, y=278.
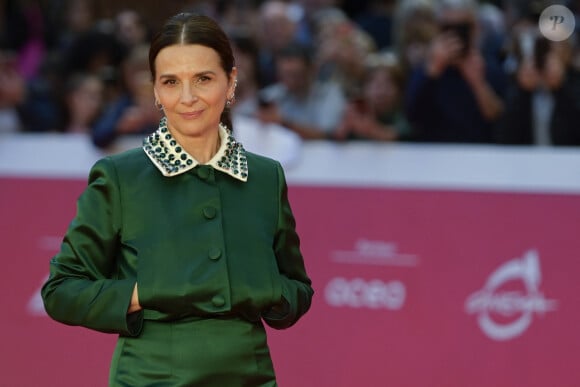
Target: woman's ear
x=233, y=82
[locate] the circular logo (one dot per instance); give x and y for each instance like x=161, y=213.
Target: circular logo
x=557, y=23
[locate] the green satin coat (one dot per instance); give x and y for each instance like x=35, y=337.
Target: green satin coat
x=199, y=244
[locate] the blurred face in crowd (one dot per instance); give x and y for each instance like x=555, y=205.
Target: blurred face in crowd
x=192, y=86
x=136, y=76
x=294, y=73
x=79, y=15
x=85, y=100
x=130, y=27
x=381, y=90
x=277, y=27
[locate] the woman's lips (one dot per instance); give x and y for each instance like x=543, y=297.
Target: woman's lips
x=191, y=115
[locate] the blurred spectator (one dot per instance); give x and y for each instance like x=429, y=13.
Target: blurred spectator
x=239, y=15
x=22, y=49
x=134, y=110
x=376, y=19
x=307, y=15
x=299, y=101
x=341, y=50
x=493, y=32
x=414, y=27
x=269, y=139
x=12, y=93
x=22, y=28
x=47, y=57
x=456, y=95
x=543, y=102
x=377, y=113
x=246, y=54
x=277, y=29
x=42, y=110
x=83, y=102
x=70, y=19
x=131, y=28
x=95, y=52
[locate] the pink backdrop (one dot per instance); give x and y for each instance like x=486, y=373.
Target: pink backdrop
x=413, y=288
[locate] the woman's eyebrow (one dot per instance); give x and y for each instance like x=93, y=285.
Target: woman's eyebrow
x=199, y=74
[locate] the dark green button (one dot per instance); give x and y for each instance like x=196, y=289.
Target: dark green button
x=218, y=300
x=203, y=172
x=209, y=212
x=214, y=253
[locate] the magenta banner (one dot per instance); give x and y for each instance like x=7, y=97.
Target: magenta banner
x=414, y=287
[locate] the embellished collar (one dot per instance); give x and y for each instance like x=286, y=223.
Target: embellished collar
x=172, y=160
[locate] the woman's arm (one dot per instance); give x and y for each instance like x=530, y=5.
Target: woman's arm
x=82, y=289
x=297, y=291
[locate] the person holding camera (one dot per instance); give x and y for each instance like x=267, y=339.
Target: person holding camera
x=455, y=95
x=542, y=101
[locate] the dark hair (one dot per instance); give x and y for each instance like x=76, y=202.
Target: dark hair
x=191, y=28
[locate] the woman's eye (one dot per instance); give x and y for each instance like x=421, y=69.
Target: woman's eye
x=203, y=79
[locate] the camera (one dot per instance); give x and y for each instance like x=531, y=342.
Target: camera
x=463, y=31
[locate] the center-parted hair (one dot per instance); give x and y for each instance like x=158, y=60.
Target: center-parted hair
x=191, y=28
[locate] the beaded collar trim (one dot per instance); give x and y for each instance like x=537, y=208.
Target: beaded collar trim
x=172, y=160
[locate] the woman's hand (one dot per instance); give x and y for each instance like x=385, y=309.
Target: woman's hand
x=443, y=51
x=134, y=306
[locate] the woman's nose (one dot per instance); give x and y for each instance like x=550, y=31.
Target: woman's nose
x=188, y=95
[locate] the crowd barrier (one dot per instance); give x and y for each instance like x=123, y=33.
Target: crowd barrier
x=433, y=265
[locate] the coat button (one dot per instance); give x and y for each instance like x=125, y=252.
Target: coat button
x=209, y=212
x=203, y=172
x=214, y=253
x=218, y=300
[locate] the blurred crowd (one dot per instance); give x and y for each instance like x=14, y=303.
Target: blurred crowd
x=448, y=71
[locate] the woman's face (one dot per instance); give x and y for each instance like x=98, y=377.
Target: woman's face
x=192, y=87
x=85, y=102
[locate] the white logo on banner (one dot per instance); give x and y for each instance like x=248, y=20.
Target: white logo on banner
x=358, y=293
x=509, y=304
x=374, y=253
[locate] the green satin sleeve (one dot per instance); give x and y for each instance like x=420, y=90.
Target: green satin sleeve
x=82, y=288
x=297, y=291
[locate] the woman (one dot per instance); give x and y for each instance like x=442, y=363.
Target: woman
x=185, y=246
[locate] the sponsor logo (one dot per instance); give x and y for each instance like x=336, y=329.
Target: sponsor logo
x=374, y=253
x=505, y=314
x=359, y=293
